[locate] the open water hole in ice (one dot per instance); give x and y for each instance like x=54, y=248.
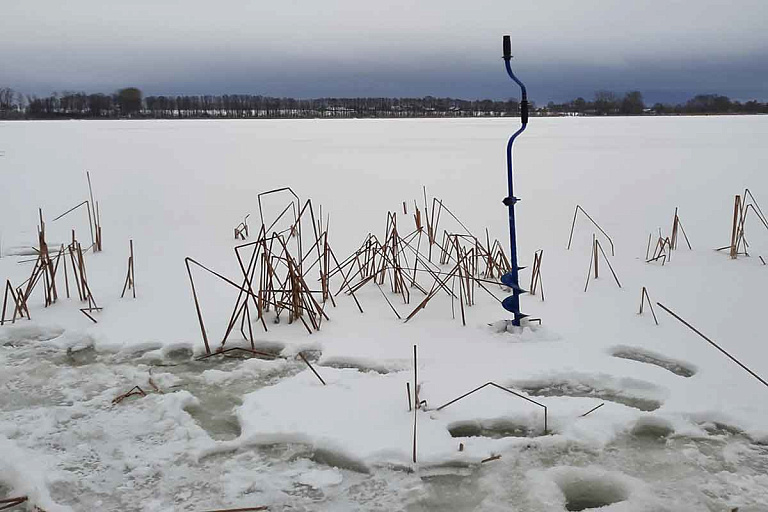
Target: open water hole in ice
x=136, y=455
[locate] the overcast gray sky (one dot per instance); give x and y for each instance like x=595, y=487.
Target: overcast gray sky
x=667, y=49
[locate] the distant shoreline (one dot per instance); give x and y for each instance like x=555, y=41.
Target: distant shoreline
x=130, y=102
x=350, y=118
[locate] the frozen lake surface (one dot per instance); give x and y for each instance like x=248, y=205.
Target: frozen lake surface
x=682, y=428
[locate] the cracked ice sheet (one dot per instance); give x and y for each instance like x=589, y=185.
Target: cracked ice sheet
x=364, y=417
x=360, y=415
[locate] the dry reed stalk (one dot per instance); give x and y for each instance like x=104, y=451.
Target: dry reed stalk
x=436, y=286
x=460, y=276
x=643, y=297
x=662, y=251
x=742, y=207
x=536, y=281
x=129, y=276
x=416, y=399
x=247, y=509
x=94, y=223
x=648, y=247
x=729, y=356
x=677, y=227
x=497, y=386
x=187, y=262
x=241, y=230
x=72, y=248
x=221, y=351
x=408, y=393
x=592, y=410
x=12, y=502
x=610, y=267
x=573, y=225
x=675, y=224
x=594, y=262
x=18, y=306
x=594, y=246
x=301, y=354
x=735, y=233
x=134, y=391
x=280, y=265
x=98, y=247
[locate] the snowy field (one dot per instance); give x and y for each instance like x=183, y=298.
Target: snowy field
x=682, y=427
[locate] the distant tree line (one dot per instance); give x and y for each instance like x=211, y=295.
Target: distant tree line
x=608, y=103
x=11, y=104
x=130, y=103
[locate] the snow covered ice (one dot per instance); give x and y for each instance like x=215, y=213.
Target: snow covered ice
x=681, y=429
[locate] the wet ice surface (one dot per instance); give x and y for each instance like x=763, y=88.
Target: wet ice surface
x=644, y=356
x=159, y=452
x=627, y=391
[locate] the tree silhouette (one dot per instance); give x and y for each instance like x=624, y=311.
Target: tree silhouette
x=632, y=104
x=129, y=100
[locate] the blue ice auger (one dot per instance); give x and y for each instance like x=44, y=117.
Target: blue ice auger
x=510, y=279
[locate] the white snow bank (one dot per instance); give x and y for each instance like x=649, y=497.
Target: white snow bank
x=364, y=416
x=25, y=474
x=25, y=332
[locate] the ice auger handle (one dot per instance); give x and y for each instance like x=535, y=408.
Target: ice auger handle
x=524, y=102
x=524, y=112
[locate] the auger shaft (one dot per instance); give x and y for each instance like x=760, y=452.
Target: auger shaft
x=511, y=279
